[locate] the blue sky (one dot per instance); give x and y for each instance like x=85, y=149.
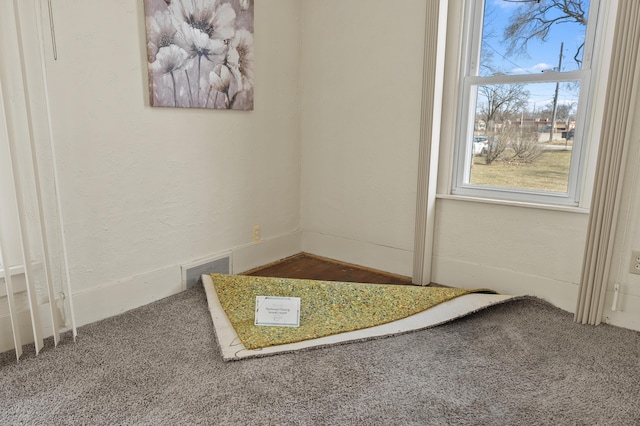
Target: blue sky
x=539, y=56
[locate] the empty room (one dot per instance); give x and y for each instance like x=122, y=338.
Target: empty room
x=157, y=155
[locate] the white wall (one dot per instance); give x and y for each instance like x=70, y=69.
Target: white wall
x=361, y=94
x=331, y=148
x=511, y=249
x=361, y=88
x=144, y=190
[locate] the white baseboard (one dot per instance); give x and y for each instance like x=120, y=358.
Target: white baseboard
x=383, y=258
x=105, y=301
x=6, y=334
x=626, y=314
x=454, y=273
x=25, y=330
x=267, y=251
x=100, y=302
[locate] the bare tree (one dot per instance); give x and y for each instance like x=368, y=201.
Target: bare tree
x=523, y=146
x=565, y=111
x=496, y=147
x=534, y=20
x=504, y=102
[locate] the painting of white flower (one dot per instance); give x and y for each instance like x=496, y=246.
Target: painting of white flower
x=200, y=53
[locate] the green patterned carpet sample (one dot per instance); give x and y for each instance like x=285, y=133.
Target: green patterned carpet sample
x=326, y=308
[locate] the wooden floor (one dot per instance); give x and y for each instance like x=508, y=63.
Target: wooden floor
x=307, y=266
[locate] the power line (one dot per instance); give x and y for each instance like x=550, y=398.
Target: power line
x=504, y=57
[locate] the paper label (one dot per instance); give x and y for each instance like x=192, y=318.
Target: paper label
x=277, y=311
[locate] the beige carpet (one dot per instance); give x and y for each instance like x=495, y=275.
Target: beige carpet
x=520, y=363
x=328, y=318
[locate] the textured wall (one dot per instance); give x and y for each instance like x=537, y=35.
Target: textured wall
x=144, y=188
x=361, y=97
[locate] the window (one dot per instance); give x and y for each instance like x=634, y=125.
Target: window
x=525, y=88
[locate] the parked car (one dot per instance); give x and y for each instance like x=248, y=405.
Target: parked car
x=568, y=135
x=480, y=145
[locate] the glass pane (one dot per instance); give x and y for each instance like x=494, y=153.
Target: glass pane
x=515, y=143
x=531, y=36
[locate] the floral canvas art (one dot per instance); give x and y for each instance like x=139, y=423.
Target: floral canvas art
x=200, y=53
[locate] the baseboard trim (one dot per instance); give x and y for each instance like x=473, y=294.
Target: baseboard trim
x=625, y=314
x=383, y=258
x=455, y=273
x=267, y=251
x=105, y=301
x=6, y=333
x=395, y=277
x=25, y=329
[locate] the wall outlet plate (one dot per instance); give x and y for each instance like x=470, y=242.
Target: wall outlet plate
x=257, y=234
x=635, y=262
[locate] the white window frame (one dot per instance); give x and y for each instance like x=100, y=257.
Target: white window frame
x=469, y=81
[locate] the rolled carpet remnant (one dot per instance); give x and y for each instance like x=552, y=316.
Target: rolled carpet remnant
x=326, y=307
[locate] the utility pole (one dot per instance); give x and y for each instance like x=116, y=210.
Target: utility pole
x=555, y=98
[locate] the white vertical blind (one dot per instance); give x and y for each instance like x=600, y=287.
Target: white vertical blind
x=622, y=90
x=21, y=204
x=5, y=212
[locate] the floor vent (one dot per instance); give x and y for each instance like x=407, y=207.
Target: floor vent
x=192, y=272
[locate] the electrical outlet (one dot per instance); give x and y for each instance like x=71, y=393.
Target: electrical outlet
x=635, y=262
x=257, y=235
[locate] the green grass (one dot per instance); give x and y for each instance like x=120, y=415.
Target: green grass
x=550, y=172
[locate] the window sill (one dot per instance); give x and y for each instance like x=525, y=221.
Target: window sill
x=13, y=270
x=567, y=209
x=19, y=283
